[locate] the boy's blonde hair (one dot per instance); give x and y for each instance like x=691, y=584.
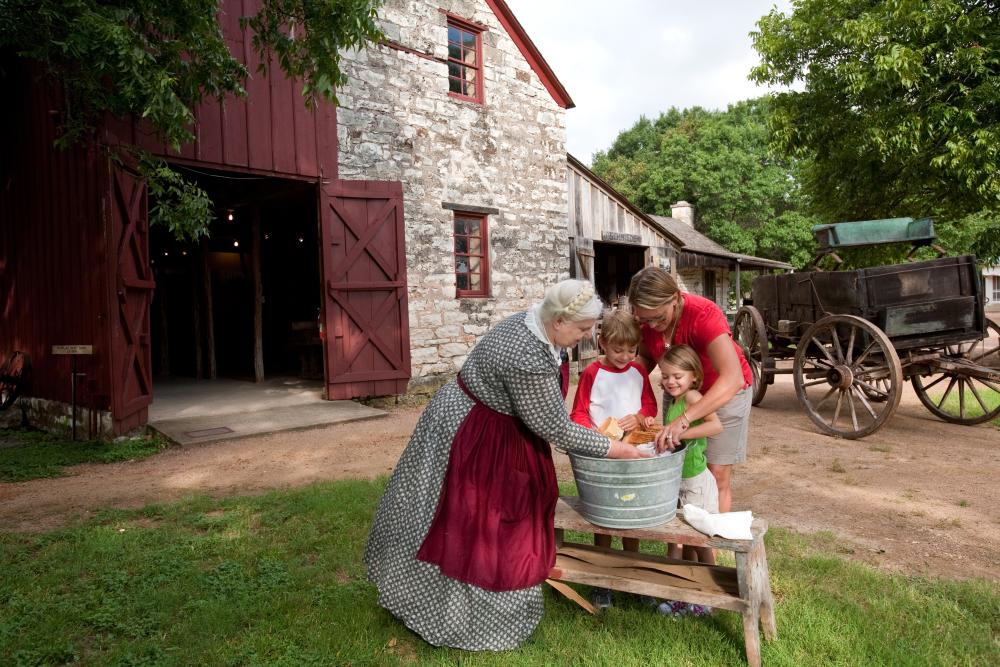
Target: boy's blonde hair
x=685, y=358
x=618, y=328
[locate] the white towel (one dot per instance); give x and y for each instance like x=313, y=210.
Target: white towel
x=731, y=525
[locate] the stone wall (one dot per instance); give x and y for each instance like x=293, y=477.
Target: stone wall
x=396, y=122
x=693, y=281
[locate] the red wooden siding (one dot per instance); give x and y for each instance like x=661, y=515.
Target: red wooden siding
x=52, y=248
x=269, y=130
x=365, y=302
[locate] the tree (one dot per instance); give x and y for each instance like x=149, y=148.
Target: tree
x=746, y=197
x=899, y=108
x=157, y=59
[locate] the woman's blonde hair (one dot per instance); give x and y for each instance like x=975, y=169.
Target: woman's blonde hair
x=572, y=300
x=651, y=288
x=685, y=358
x=619, y=328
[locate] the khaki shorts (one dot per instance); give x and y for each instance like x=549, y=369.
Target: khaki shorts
x=700, y=491
x=730, y=446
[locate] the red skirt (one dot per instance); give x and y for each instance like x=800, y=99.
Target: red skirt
x=493, y=527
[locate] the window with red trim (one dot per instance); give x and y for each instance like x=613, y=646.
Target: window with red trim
x=472, y=259
x=465, y=61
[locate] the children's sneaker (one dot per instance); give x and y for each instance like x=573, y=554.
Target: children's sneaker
x=672, y=608
x=699, y=610
x=601, y=598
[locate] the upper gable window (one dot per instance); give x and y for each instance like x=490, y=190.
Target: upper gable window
x=465, y=60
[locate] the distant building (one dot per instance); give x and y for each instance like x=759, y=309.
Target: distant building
x=706, y=268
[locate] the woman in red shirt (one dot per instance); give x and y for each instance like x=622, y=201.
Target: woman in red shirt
x=667, y=317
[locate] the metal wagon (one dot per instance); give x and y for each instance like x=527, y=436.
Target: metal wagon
x=855, y=336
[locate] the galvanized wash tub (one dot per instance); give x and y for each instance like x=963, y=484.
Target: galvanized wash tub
x=628, y=493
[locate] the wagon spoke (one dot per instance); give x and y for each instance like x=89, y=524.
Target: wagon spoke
x=990, y=385
x=826, y=352
x=826, y=396
x=836, y=342
x=947, y=392
x=940, y=379
x=975, y=392
x=854, y=413
x=871, y=388
x=864, y=355
x=813, y=383
x=850, y=345
x=864, y=401
x=836, y=412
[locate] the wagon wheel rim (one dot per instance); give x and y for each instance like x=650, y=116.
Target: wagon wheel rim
x=13, y=375
x=751, y=336
x=839, y=361
x=958, y=398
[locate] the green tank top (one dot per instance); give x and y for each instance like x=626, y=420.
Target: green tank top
x=694, y=458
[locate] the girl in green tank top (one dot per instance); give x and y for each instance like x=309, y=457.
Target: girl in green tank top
x=682, y=374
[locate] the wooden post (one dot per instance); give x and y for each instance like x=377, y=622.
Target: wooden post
x=258, y=300
x=161, y=306
x=199, y=364
x=206, y=291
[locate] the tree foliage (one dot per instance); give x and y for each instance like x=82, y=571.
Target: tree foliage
x=898, y=108
x=746, y=197
x=157, y=59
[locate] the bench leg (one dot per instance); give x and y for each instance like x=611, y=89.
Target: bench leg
x=766, y=598
x=751, y=635
x=755, y=590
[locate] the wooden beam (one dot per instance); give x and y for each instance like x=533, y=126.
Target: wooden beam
x=258, y=299
x=206, y=291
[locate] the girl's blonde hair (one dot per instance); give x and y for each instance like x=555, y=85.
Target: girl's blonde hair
x=651, y=288
x=619, y=328
x=685, y=358
x=572, y=300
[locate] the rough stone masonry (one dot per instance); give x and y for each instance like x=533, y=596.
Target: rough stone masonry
x=397, y=122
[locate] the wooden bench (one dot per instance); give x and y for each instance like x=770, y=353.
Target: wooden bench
x=745, y=588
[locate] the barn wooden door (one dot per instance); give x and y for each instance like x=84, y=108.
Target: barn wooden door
x=131, y=293
x=581, y=267
x=366, y=323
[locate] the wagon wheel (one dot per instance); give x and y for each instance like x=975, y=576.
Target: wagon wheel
x=751, y=335
x=958, y=398
x=13, y=376
x=841, y=360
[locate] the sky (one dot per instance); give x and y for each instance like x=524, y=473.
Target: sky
x=624, y=59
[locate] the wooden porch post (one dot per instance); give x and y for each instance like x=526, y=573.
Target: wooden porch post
x=258, y=298
x=206, y=292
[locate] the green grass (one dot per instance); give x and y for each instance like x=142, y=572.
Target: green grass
x=278, y=580
x=33, y=454
x=972, y=407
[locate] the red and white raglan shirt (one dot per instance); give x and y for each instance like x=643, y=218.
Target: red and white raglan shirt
x=605, y=391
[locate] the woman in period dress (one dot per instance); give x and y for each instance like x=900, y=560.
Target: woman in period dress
x=463, y=537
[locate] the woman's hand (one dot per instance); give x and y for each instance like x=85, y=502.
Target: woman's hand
x=629, y=422
x=620, y=450
x=670, y=436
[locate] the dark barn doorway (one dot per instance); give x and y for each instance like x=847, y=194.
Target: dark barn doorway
x=206, y=314
x=614, y=266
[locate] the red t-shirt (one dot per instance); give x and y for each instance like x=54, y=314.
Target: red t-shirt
x=702, y=321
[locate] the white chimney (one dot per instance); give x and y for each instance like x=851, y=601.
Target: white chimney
x=684, y=212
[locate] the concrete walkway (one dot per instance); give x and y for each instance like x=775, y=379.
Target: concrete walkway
x=194, y=411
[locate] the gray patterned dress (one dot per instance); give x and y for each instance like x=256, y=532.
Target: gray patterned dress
x=514, y=373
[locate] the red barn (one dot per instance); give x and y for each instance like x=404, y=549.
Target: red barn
x=293, y=247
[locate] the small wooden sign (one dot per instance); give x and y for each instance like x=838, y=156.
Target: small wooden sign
x=72, y=349
x=621, y=237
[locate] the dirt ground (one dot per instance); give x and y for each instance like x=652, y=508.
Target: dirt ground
x=917, y=496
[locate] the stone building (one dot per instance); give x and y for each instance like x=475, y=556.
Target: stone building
x=461, y=108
